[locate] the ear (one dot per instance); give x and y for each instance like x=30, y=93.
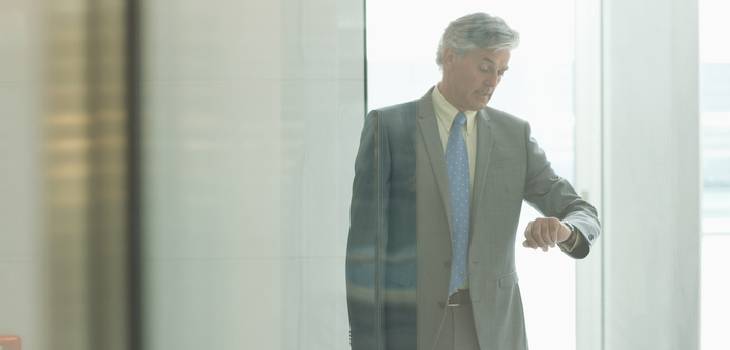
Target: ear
x=449, y=58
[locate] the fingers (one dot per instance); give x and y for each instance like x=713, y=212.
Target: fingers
x=542, y=233
x=539, y=231
x=550, y=231
x=529, y=242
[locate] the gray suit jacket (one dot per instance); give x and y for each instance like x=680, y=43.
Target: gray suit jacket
x=399, y=245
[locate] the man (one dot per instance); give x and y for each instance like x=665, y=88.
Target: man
x=436, y=201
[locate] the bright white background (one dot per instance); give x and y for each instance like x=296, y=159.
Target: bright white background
x=715, y=108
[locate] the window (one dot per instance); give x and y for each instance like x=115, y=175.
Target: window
x=715, y=126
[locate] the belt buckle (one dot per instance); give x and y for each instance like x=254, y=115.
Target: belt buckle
x=457, y=296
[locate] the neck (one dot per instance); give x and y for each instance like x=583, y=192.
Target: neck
x=446, y=93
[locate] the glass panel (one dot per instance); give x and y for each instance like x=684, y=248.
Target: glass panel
x=85, y=181
x=252, y=115
x=64, y=280
x=715, y=289
x=715, y=114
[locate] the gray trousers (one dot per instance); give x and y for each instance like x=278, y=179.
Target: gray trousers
x=458, y=331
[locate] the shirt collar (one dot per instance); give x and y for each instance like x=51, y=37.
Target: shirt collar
x=446, y=112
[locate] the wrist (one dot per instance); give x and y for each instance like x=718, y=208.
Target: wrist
x=570, y=239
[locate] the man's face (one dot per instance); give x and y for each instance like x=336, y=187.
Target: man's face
x=469, y=80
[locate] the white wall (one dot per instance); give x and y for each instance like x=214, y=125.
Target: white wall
x=20, y=250
x=252, y=117
x=651, y=175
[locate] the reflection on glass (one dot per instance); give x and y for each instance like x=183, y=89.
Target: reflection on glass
x=85, y=129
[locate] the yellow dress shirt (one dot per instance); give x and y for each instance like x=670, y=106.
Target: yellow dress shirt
x=445, y=114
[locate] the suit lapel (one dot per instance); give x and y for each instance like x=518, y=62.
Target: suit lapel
x=434, y=148
x=485, y=143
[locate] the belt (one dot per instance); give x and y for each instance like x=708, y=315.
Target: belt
x=459, y=298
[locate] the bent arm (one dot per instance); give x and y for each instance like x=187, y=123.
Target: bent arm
x=554, y=196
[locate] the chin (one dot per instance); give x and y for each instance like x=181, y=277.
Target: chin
x=481, y=103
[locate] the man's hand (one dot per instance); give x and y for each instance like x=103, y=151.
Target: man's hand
x=545, y=233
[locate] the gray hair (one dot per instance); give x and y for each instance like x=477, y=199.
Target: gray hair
x=477, y=31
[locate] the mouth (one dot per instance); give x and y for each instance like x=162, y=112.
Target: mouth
x=484, y=94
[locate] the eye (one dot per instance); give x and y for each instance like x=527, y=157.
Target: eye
x=486, y=68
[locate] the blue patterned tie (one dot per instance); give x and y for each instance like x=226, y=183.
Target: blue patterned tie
x=457, y=167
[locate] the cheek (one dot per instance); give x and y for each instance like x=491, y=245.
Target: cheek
x=473, y=83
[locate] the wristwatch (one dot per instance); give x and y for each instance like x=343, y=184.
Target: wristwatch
x=569, y=244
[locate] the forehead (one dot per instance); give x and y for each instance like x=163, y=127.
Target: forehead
x=497, y=56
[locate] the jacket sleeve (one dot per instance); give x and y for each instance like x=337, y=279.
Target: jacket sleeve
x=554, y=196
x=364, y=264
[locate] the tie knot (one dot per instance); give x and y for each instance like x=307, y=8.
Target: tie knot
x=459, y=120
